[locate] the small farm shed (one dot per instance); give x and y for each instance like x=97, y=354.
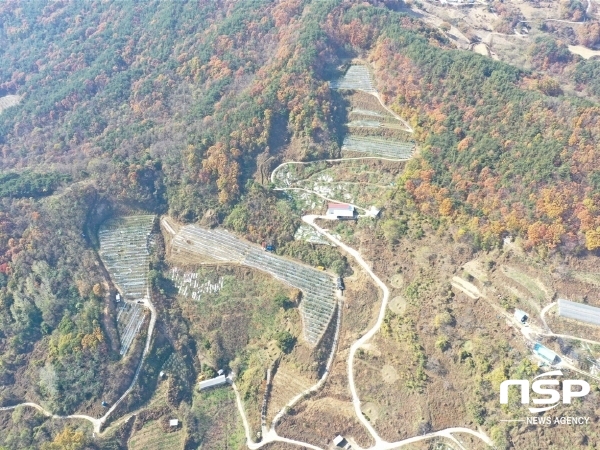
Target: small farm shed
x=174, y=423
x=545, y=354
x=213, y=382
x=521, y=316
x=341, y=210
x=339, y=441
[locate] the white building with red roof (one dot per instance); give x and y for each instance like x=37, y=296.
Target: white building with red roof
x=341, y=210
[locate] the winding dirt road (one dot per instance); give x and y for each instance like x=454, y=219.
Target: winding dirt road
x=97, y=424
x=271, y=435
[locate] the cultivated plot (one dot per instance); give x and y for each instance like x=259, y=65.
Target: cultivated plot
x=130, y=317
x=188, y=284
x=152, y=435
x=318, y=303
x=309, y=234
x=376, y=146
x=124, y=249
x=9, y=100
x=357, y=77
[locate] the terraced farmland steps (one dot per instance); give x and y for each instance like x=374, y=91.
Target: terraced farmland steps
x=196, y=244
x=125, y=251
x=376, y=146
x=359, y=78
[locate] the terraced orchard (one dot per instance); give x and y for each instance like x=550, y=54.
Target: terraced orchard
x=357, y=77
x=376, y=146
x=374, y=130
x=125, y=252
x=124, y=249
x=8, y=101
x=130, y=317
x=193, y=244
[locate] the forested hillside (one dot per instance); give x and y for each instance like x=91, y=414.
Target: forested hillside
x=183, y=107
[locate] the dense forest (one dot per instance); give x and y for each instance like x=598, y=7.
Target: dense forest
x=179, y=107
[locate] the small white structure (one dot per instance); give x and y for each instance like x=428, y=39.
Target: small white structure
x=220, y=372
x=213, y=382
x=521, y=316
x=118, y=298
x=341, y=210
x=339, y=441
x=174, y=423
x=373, y=212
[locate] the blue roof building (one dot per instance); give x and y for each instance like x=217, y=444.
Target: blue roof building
x=545, y=354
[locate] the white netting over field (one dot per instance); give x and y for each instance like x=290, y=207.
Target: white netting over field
x=8, y=101
x=364, y=124
x=318, y=302
x=130, y=317
x=124, y=252
x=376, y=146
x=356, y=77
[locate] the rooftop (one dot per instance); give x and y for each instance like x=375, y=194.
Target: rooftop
x=342, y=206
x=521, y=315
x=545, y=353
x=216, y=381
x=338, y=440
x=578, y=311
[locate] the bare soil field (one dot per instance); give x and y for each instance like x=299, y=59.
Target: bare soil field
x=583, y=51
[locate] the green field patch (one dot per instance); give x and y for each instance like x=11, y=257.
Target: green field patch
x=152, y=436
x=218, y=422
x=535, y=287
x=587, y=277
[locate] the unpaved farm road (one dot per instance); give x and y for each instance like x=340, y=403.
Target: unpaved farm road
x=98, y=423
x=380, y=444
x=530, y=332
x=271, y=435
x=291, y=188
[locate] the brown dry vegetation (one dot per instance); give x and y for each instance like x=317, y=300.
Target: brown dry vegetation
x=479, y=341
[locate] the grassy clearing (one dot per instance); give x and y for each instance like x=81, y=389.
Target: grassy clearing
x=242, y=311
x=587, y=277
x=152, y=436
x=238, y=327
x=534, y=286
x=476, y=269
x=219, y=422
